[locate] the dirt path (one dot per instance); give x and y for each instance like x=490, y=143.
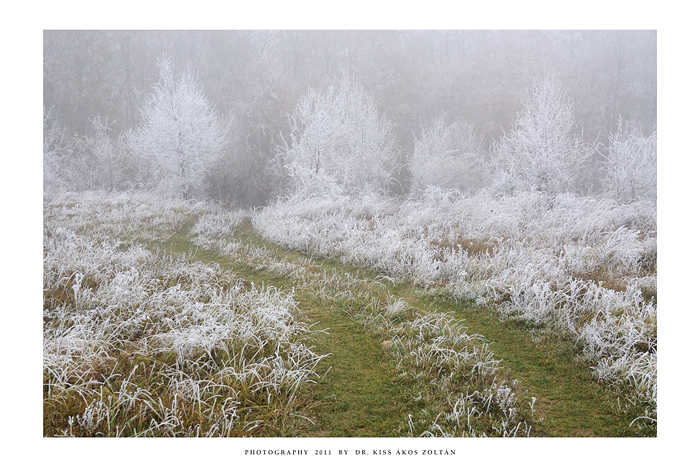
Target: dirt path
x=361, y=393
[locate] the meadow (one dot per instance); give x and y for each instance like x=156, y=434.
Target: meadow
x=349, y=316
x=582, y=267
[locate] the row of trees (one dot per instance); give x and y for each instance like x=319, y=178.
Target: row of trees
x=475, y=76
x=255, y=80
x=339, y=136
x=339, y=140
x=541, y=152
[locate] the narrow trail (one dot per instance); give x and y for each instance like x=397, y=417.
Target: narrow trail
x=360, y=394
x=570, y=402
x=357, y=398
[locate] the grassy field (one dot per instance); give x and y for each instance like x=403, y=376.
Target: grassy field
x=568, y=399
x=177, y=319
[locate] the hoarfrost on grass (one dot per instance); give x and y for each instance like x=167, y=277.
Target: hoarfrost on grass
x=583, y=265
x=159, y=345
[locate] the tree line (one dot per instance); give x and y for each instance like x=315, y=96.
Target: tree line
x=244, y=116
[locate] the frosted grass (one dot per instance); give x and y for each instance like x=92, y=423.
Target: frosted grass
x=138, y=343
x=430, y=348
x=585, y=266
x=436, y=350
x=133, y=217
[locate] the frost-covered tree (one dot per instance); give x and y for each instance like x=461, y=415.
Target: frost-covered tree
x=630, y=165
x=57, y=147
x=92, y=161
x=181, y=134
x=448, y=156
x=541, y=152
x=97, y=160
x=339, y=135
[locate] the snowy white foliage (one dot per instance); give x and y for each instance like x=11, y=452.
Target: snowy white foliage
x=95, y=161
x=630, y=166
x=448, y=156
x=339, y=136
x=218, y=224
x=99, y=160
x=57, y=149
x=181, y=135
x=541, y=152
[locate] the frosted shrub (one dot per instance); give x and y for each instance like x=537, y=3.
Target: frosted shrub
x=449, y=156
x=180, y=136
x=58, y=147
x=541, y=151
x=631, y=165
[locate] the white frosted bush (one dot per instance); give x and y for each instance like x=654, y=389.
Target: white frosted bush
x=449, y=156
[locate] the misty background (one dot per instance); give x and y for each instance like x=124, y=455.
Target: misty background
x=98, y=86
